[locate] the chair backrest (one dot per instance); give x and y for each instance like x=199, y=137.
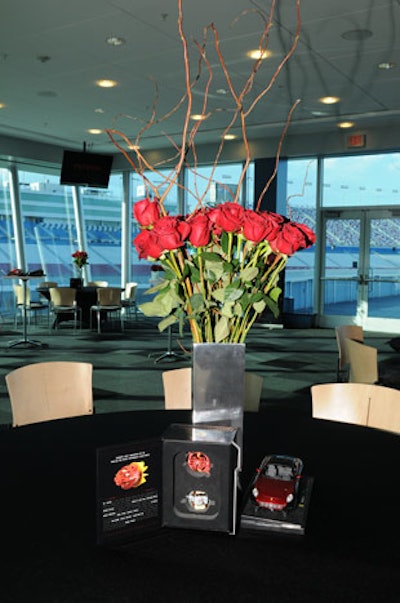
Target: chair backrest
x=363, y=361
x=109, y=296
x=253, y=385
x=98, y=284
x=62, y=296
x=50, y=390
x=342, y=333
x=130, y=291
x=177, y=385
x=384, y=410
x=343, y=402
x=19, y=295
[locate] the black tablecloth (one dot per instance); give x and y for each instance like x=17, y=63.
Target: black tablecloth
x=86, y=297
x=48, y=510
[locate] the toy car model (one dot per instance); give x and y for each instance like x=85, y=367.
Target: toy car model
x=277, y=481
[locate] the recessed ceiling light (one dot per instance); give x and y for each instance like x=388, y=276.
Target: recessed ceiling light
x=99, y=110
x=133, y=147
x=94, y=131
x=106, y=83
x=329, y=100
x=355, y=35
x=222, y=91
x=387, y=65
x=229, y=137
x=2, y=105
x=345, y=124
x=115, y=41
x=197, y=117
x=259, y=54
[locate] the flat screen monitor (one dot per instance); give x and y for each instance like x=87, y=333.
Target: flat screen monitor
x=86, y=169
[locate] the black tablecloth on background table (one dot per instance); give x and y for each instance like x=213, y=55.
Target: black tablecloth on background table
x=48, y=511
x=86, y=297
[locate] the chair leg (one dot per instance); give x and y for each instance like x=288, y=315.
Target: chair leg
x=98, y=322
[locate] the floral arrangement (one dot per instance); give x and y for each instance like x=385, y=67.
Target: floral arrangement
x=221, y=266
x=80, y=259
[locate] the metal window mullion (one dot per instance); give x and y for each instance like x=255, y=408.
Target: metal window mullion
x=16, y=214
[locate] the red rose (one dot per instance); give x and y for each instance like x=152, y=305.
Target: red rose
x=147, y=245
x=291, y=238
x=146, y=212
x=309, y=235
x=200, y=229
x=171, y=232
x=228, y=216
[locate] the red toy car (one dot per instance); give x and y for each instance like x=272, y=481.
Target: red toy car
x=277, y=481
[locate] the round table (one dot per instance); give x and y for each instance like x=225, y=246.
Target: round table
x=349, y=551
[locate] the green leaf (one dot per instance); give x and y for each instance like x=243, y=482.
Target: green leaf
x=275, y=293
x=208, y=256
x=218, y=294
x=221, y=330
x=232, y=293
x=197, y=303
x=227, y=309
x=273, y=307
x=225, y=242
x=260, y=306
x=166, y=322
x=249, y=273
x=214, y=271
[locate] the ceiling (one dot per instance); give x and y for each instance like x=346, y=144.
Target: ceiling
x=51, y=54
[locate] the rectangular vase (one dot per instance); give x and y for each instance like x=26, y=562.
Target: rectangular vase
x=218, y=384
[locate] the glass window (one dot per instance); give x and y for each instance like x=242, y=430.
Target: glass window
x=48, y=224
x=223, y=187
x=361, y=181
x=301, y=206
x=102, y=223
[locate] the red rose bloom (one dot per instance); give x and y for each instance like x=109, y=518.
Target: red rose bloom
x=171, y=232
x=146, y=212
x=309, y=235
x=147, y=245
x=291, y=238
x=228, y=217
x=200, y=229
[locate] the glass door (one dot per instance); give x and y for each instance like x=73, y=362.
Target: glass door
x=360, y=279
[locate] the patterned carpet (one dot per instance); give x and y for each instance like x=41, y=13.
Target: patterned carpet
x=126, y=376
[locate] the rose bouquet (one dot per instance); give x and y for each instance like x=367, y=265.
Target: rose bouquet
x=80, y=259
x=221, y=266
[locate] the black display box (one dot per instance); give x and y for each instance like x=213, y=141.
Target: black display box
x=200, y=476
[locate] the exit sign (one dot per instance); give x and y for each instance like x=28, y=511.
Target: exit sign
x=356, y=141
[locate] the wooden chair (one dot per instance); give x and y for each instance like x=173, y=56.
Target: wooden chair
x=343, y=402
x=177, y=385
x=363, y=362
x=50, y=390
x=32, y=307
x=129, y=299
x=108, y=302
x=384, y=409
x=342, y=333
x=64, y=306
